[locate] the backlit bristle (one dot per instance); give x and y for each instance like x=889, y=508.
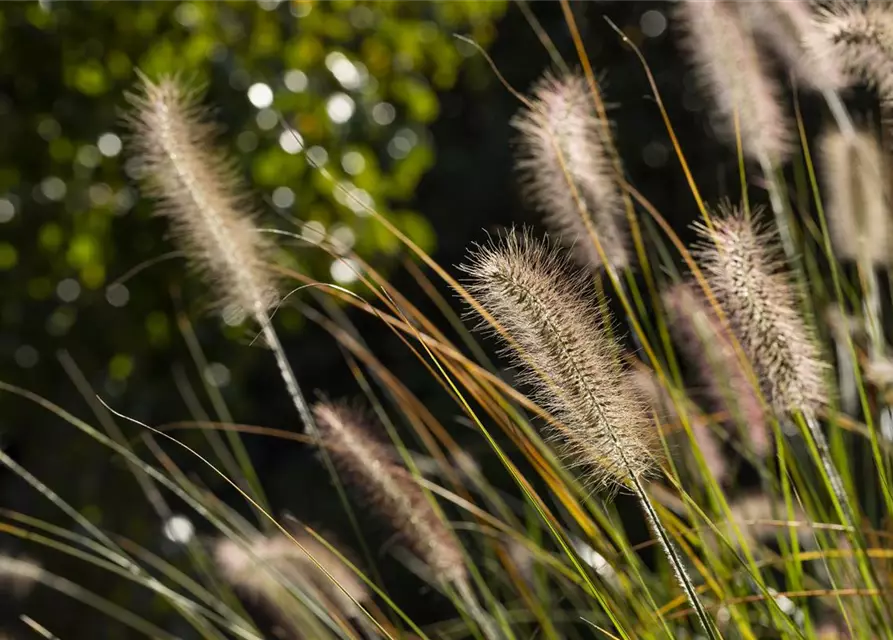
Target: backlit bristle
x=368, y=464
x=566, y=355
x=739, y=259
x=856, y=181
x=566, y=171
x=733, y=71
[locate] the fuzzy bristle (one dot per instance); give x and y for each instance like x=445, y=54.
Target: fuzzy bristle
x=789, y=28
x=740, y=261
x=368, y=464
x=856, y=181
x=573, y=366
x=562, y=144
x=700, y=335
x=199, y=191
x=732, y=69
x=254, y=570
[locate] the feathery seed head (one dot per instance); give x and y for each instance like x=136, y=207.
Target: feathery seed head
x=561, y=151
x=739, y=259
x=272, y=564
x=789, y=28
x=199, y=190
x=254, y=570
x=368, y=463
x=566, y=355
x=730, y=67
x=858, y=196
x=699, y=332
x=861, y=34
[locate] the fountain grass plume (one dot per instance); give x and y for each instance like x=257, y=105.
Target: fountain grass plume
x=856, y=183
x=251, y=568
x=560, y=341
x=368, y=464
x=197, y=188
x=732, y=69
x=790, y=29
x=740, y=261
x=561, y=143
x=566, y=356
x=861, y=34
x=200, y=192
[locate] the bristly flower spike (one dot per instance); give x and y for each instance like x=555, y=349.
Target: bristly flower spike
x=861, y=35
x=574, y=368
x=263, y=566
x=566, y=172
x=368, y=464
x=731, y=67
x=576, y=372
x=199, y=191
x=857, y=205
x=739, y=259
x=790, y=28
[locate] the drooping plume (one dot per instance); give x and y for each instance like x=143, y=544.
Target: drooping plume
x=566, y=172
x=790, y=29
x=739, y=259
x=199, y=191
x=573, y=366
x=368, y=464
x=857, y=187
x=727, y=385
x=731, y=68
x=268, y=564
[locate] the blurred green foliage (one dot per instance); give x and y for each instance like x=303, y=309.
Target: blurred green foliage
x=358, y=81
